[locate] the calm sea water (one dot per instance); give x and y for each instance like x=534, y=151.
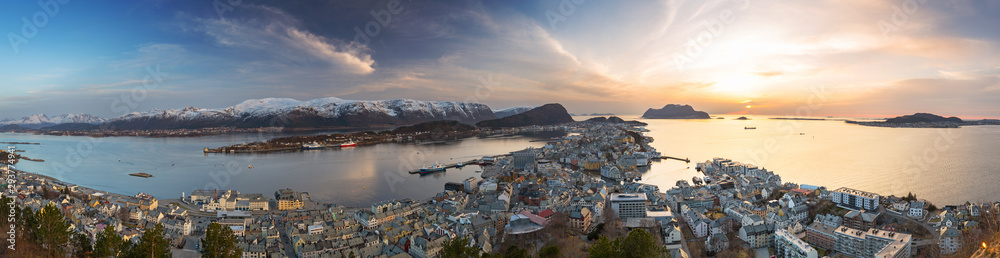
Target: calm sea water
x=352, y=176
x=948, y=166
x=941, y=165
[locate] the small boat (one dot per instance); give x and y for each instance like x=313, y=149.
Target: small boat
x=145, y=175
x=349, y=144
x=749, y=128
x=460, y=164
x=431, y=169
x=312, y=146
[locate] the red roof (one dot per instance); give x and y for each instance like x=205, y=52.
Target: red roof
x=546, y=213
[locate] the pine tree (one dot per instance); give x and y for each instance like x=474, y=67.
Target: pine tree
x=153, y=243
x=82, y=246
x=219, y=242
x=109, y=243
x=52, y=230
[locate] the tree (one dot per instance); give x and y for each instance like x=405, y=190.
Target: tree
x=52, y=230
x=593, y=235
x=549, y=251
x=516, y=252
x=152, y=244
x=459, y=248
x=81, y=245
x=109, y=243
x=931, y=207
x=638, y=243
x=220, y=242
x=602, y=248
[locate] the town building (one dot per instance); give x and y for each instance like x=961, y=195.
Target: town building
x=629, y=205
x=872, y=243
x=855, y=198
x=860, y=220
x=786, y=245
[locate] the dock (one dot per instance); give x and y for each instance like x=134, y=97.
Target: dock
x=144, y=175
x=450, y=165
x=673, y=158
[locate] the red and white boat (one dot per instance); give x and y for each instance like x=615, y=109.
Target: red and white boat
x=349, y=144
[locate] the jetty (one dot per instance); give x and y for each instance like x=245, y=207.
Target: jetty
x=675, y=158
x=140, y=174
x=449, y=165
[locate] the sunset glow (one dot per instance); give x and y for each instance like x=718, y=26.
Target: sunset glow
x=620, y=57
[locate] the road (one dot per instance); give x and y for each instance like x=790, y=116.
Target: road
x=916, y=242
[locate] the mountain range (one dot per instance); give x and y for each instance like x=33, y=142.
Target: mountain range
x=317, y=113
x=501, y=113
x=277, y=112
x=41, y=120
x=548, y=114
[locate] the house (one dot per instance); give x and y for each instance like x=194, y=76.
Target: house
x=758, y=235
x=717, y=243
x=901, y=206
x=699, y=227
x=950, y=240
x=916, y=209
x=580, y=219
x=672, y=237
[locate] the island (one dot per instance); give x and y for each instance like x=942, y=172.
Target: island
x=674, y=111
x=923, y=120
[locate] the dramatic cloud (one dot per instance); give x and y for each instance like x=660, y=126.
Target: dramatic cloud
x=867, y=57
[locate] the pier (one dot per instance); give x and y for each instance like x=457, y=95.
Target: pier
x=673, y=158
x=450, y=165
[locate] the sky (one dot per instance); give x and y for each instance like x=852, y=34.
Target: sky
x=824, y=57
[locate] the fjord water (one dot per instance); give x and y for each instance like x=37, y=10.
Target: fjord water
x=351, y=176
x=945, y=166
x=940, y=165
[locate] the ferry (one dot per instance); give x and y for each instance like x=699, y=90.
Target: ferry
x=312, y=146
x=431, y=169
x=349, y=144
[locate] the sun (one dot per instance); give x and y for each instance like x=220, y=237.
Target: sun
x=737, y=84
x=749, y=106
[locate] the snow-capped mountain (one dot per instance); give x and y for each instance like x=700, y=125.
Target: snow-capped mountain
x=323, y=112
x=501, y=113
x=42, y=120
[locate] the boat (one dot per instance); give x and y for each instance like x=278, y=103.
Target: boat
x=140, y=174
x=460, y=164
x=431, y=169
x=312, y=146
x=749, y=128
x=349, y=144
